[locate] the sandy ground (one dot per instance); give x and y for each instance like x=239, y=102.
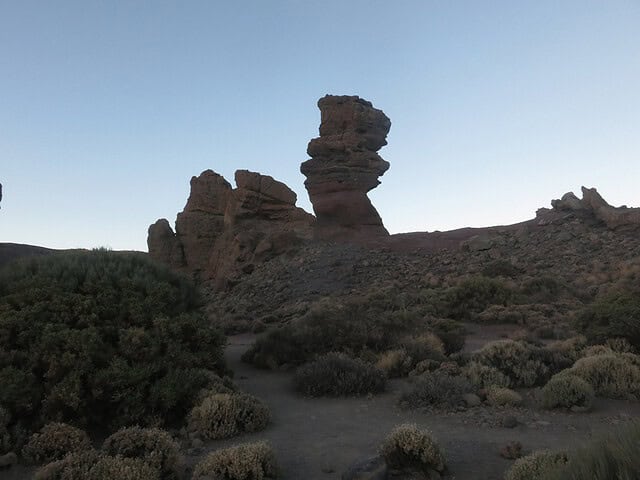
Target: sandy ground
x=318, y=439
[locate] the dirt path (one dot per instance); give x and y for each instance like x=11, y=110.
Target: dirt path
x=318, y=439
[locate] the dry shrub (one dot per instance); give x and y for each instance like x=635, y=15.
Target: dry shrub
x=74, y=466
x=483, y=376
x=122, y=468
x=516, y=360
x=614, y=456
x=407, y=447
x=611, y=375
x=90, y=465
x=337, y=374
x=536, y=466
x=394, y=363
x=54, y=441
x=249, y=461
x=436, y=389
x=154, y=446
x=224, y=415
x=6, y=443
x=571, y=347
x=567, y=391
x=500, y=397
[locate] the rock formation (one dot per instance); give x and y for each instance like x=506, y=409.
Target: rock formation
x=593, y=205
x=344, y=166
x=222, y=231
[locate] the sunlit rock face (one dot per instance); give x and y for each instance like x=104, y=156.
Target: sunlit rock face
x=344, y=166
x=223, y=232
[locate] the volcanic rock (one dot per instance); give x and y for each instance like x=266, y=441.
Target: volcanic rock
x=222, y=232
x=344, y=166
x=593, y=205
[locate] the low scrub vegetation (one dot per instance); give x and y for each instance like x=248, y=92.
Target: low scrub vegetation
x=614, y=316
x=356, y=327
x=103, y=339
x=436, y=389
x=536, y=466
x=502, y=397
x=154, y=446
x=337, y=374
x=611, y=375
x=409, y=448
x=518, y=361
x=473, y=295
x=54, y=441
x=223, y=415
x=249, y=461
x=567, y=391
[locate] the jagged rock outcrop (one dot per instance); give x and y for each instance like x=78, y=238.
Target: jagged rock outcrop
x=593, y=205
x=222, y=231
x=344, y=166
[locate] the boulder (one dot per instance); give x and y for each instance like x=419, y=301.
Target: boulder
x=344, y=166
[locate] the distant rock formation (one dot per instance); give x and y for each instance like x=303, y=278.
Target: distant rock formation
x=344, y=166
x=222, y=231
x=593, y=205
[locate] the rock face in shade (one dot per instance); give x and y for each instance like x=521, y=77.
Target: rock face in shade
x=344, y=166
x=593, y=205
x=222, y=232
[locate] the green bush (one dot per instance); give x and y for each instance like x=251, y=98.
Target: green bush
x=223, y=415
x=408, y=447
x=336, y=374
x=54, y=441
x=355, y=326
x=154, y=446
x=567, y=391
x=614, y=316
x=436, y=389
x=614, y=456
x=249, y=461
x=536, y=466
x=516, y=360
x=101, y=338
x=475, y=294
x=541, y=289
x=451, y=333
x=611, y=375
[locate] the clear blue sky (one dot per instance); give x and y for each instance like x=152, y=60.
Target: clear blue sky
x=107, y=108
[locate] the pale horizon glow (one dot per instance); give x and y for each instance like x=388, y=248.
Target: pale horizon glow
x=108, y=108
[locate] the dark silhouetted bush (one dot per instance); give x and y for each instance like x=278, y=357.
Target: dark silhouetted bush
x=103, y=339
x=436, y=389
x=336, y=374
x=473, y=295
x=616, y=316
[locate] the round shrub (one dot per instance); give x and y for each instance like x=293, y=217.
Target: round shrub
x=483, y=376
x=567, y=391
x=154, y=446
x=610, y=375
x=102, y=338
x=436, y=389
x=249, y=461
x=614, y=316
x=500, y=397
x=223, y=415
x=473, y=295
x=122, y=468
x=337, y=374
x=514, y=359
x=408, y=447
x=74, y=466
x=54, y=441
x=536, y=466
